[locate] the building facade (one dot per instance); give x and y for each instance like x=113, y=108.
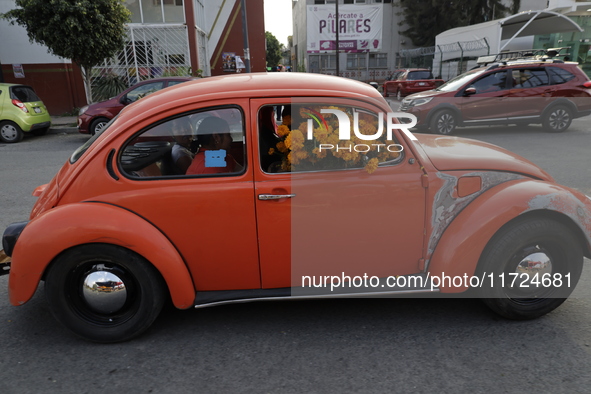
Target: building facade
x=164, y=37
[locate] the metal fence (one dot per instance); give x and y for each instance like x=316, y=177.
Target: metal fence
x=151, y=51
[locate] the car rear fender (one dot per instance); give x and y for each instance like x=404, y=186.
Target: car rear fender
x=65, y=227
x=459, y=249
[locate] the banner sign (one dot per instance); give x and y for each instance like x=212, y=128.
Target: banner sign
x=360, y=28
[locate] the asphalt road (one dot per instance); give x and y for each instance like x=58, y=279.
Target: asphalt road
x=363, y=345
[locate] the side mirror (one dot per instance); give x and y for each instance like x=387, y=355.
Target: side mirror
x=469, y=91
x=124, y=100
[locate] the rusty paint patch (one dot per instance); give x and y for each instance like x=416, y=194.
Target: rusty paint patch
x=446, y=207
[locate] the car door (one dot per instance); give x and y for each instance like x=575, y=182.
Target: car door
x=319, y=216
x=530, y=92
x=209, y=213
x=489, y=102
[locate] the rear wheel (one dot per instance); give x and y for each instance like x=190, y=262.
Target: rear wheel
x=443, y=122
x=97, y=125
x=104, y=293
x=557, y=119
x=534, y=266
x=10, y=132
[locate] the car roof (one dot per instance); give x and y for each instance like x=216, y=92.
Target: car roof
x=255, y=85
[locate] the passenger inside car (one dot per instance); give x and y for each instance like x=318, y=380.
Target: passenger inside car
x=215, y=142
x=181, y=151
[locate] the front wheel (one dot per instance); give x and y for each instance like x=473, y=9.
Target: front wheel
x=97, y=125
x=443, y=122
x=104, y=293
x=557, y=119
x=531, y=267
x=10, y=132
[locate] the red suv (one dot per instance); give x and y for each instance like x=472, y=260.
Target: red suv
x=552, y=93
x=92, y=118
x=409, y=81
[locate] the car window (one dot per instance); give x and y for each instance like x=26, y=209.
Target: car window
x=308, y=140
x=560, y=75
x=172, y=83
x=416, y=75
x=456, y=83
x=491, y=83
x=143, y=91
x=205, y=143
x=24, y=94
x=529, y=78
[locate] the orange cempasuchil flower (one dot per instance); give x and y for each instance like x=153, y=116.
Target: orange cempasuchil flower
x=271, y=151
x=282, y=130
x=371, y=165
x=297, y=139
x=281, y=147
x=286, y=120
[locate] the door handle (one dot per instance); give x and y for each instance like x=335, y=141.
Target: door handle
x=275, y=196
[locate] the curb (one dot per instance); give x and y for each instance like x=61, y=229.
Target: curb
x=63, y=130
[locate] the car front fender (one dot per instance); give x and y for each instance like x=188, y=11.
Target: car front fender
x=459, y=249
x=65, y=227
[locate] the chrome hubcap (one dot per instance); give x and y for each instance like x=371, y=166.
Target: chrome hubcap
x=559, y=119
x=104, y=292
x=535, y=263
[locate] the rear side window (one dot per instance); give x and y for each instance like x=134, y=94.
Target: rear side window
x=529, y=78
x=24, y=94
x=560, y=75
x=415, y=75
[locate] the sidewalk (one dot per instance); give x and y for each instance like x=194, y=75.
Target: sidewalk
x=63, y=124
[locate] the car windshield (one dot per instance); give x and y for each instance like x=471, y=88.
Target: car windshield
x=24, y=94
x=416, y=75
x=454, y=84
x=80, y=151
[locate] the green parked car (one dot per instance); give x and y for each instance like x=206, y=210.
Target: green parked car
x=21, y=111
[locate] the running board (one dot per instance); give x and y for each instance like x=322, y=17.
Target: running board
x=223, y=297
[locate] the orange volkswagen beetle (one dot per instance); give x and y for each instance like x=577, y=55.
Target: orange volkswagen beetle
x=200, y=196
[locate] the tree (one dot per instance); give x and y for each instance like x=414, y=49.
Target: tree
x=84, y=31
x=427, y=18
x=273, y=50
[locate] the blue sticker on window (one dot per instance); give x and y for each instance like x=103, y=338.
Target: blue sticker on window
x=215, y=158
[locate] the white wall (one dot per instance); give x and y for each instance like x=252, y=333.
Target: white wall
x=15, y=46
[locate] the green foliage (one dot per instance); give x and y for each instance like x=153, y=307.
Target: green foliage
x=273, y=50
x=427, y=18
x=108, y=86
x=85, y=31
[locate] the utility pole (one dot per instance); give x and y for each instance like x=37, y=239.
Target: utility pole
x=336, y=5
x=245, y=35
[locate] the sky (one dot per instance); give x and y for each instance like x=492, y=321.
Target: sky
x=278, y=19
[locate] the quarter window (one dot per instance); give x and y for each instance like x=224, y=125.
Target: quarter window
x=206, y=143
x=560, y=75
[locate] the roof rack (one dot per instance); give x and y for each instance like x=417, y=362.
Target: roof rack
x=551, y=55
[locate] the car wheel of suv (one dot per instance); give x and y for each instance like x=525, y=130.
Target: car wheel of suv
x=557, y=119
x=443, y=122
x=533, y=266
x=97, y=125
x=398, y=95
x=10, y=132
x=104, y=293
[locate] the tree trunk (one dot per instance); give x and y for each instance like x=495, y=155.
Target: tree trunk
x=87, y=76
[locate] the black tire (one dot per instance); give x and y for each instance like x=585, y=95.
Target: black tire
x=126, y=295
x=10, y=132
x=524, y=248
x=557, y=119
x=97, y=125
x=40, y=132
x=443, y=122
x=398, y=95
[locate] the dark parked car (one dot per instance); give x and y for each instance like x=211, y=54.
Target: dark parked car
x=520, y=92
x=92, y=118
